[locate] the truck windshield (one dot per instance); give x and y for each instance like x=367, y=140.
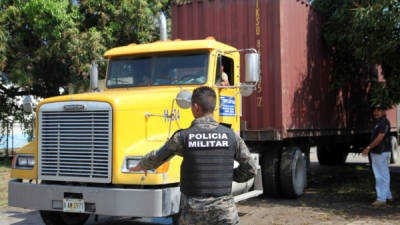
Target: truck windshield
x=161, y=69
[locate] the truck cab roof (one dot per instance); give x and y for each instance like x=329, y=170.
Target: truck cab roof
x=168, y=46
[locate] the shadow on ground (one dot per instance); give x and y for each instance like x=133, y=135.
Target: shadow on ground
x=33, y=218
x=347, y=190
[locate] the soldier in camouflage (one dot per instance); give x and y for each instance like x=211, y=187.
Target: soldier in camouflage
x=208, y=150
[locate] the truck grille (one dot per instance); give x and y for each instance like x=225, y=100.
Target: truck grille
x=75, y=145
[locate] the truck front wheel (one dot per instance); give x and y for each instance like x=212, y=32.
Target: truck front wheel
x=293, y=172
x=62, y=218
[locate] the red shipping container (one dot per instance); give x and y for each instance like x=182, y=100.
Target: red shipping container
x=294, y=97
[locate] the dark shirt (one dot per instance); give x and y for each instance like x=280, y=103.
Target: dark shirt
x=382, y=127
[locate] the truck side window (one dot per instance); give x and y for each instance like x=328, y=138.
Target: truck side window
x=225, y=72
x=227, y=63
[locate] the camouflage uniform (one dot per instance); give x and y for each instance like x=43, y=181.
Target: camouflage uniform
x=206, y=210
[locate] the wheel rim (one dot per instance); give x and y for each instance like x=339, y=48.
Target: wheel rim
x=299, y=173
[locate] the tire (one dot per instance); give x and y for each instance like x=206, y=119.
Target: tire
x=175, y=219
x=293, y=172
x=270, y=173
x=330, y=156
x=306, y=150
x=61, y=218
x=394, y=154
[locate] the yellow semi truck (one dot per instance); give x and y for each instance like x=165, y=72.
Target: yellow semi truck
x=85, y=143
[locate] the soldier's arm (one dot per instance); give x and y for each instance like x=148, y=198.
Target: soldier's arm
x=154, y=159
x=247, y=168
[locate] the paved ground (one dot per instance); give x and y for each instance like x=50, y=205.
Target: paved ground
x=335, y=195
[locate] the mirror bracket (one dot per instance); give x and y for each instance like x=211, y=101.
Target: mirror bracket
x=94, y=75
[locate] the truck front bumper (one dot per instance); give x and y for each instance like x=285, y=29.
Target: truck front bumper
x=98, y=200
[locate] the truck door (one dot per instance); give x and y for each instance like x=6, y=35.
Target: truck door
x=228, y=99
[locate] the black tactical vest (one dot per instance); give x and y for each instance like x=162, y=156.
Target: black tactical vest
x=207, y=167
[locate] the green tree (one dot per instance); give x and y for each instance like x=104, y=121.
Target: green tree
x=47, y=44
x=362, y=34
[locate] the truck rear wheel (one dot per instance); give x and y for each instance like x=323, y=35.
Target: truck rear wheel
x=328, y=155
x=62, y=218
x=293, y=172
x=394, y=155
x=270, y=173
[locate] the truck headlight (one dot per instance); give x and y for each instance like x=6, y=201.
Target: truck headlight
x=131, y=162
x=24, y=161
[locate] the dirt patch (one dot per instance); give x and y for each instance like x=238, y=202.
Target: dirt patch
x=335, y=195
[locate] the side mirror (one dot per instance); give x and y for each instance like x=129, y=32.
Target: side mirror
x=246, y=89
x=252, y=68
x=27, y=104
x=94, y=76
x=184, y=99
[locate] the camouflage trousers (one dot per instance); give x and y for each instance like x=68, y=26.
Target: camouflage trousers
x=208, y=211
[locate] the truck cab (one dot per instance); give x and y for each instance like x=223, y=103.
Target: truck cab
x=85, y=143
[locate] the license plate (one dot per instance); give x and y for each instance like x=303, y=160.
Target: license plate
x=73, y=205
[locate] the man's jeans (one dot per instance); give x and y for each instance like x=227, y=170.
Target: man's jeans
x=382, y=175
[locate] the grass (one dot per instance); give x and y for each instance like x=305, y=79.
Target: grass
x=5, y=168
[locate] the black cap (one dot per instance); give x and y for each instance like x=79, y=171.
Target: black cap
x=380, y=106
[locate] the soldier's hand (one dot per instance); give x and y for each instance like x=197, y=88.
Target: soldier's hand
x=138, y=168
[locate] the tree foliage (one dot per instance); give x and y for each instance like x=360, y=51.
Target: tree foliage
x=47, y=44
x=361, y=35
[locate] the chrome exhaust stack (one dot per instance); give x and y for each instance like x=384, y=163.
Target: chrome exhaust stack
x=163, y=27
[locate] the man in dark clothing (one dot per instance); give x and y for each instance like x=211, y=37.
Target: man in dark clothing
x=380, y=149
x=208, y=150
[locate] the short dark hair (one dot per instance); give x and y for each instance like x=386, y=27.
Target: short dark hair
x=205, y=97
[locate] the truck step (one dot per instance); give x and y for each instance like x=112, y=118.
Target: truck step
x=248, y=195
